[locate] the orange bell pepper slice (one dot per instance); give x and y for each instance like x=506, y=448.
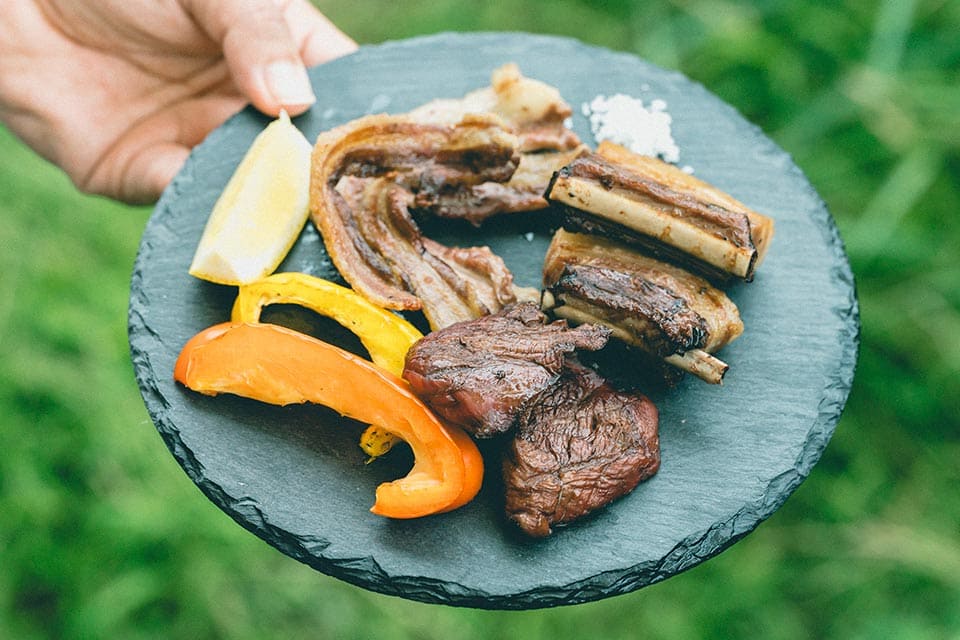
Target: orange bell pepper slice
x=273, y=364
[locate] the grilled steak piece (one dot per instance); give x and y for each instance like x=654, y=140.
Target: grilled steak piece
x=479, y=374
x=579, y=445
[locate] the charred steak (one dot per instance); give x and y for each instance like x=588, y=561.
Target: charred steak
x=579, y=445
x=479, y=374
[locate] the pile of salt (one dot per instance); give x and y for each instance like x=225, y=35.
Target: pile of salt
x=624, y=120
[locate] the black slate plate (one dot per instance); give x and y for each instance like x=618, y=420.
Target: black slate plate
x=731, y=454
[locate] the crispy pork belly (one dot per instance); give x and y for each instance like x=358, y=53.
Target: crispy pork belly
x=658, y=307
x=364, y=224
x=580, y=445
x=480, y=374
x=645, y=201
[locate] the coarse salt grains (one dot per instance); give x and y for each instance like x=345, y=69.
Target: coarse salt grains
x=624, y=120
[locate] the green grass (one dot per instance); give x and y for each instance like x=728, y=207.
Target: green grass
x=102, y=535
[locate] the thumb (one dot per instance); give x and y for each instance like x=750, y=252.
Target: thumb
x=262, y=49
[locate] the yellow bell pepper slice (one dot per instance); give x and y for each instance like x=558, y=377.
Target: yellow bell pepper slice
x=386, y=336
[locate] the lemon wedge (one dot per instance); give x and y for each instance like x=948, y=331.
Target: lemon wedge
x=262, y=210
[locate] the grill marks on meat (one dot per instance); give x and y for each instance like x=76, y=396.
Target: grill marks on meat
x=476, y=149
x=363, y=178
x=730, y=226
x=480, y=374
x=660, y=308
x=580, y=445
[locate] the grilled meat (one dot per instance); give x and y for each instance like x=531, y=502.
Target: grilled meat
x=537, y=114
x=645, y=201
x=660, y=308
x=522, y=192
x=451, y=284
x=480, y=374
x=579, y=445
x=365, y=223
x=532, y=109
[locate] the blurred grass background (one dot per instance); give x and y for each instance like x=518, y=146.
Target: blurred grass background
x=103, y=536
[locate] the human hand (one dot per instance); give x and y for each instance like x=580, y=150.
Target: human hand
x=117, y=92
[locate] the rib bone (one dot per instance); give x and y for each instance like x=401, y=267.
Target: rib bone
x=650, y=202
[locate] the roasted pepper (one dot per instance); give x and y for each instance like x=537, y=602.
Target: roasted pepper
x=273, y=364
x=385, y=335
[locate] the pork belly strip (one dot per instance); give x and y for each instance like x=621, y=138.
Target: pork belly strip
x=657, y=307
x=580, y=445
x=453, y=284
x=414, y=154
x=479, y=374
x=646, y=200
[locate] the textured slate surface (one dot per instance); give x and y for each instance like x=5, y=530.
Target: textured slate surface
x=731, y=454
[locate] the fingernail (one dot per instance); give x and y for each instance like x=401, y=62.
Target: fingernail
x=289, y=85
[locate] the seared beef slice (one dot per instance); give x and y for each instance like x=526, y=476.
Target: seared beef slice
x=580, y=445
x=479, y=374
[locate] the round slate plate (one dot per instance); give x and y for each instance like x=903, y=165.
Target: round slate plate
x=731, y=454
